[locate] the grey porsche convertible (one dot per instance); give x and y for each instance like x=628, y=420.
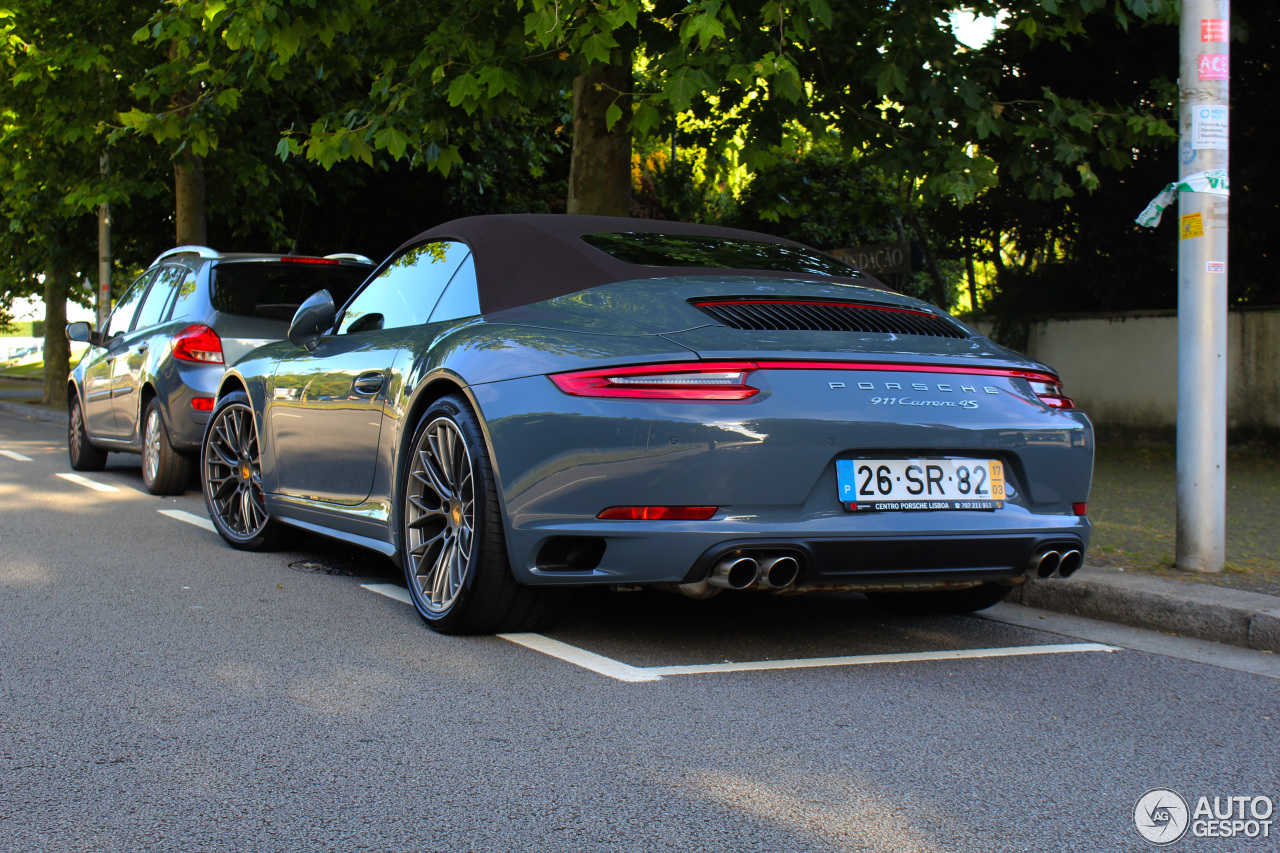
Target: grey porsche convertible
x=511, y=406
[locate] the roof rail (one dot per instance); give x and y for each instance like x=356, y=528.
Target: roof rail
x=348, y=256
x=198, y=251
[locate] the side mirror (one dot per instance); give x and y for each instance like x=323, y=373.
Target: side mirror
x=83, y=333
x=314, y=317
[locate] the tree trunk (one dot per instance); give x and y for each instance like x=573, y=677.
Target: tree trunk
x=973, y=279
x=188, y=191
x=600, y=169
x=939, y=286
x=56, y=349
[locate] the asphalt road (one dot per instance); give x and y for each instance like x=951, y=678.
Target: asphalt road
x=161, y=691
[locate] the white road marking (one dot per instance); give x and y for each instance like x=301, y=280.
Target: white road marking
x=15, y=456
x=87, y=483
x=390, y=590
x=189, y=518
x=903, y=657
x=626, y=672
x=582, y=657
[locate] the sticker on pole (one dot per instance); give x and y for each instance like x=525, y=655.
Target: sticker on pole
x=1215, y=266
x=1192, y=225
x=1209, y=126
x=1213, y=182
x=1213, y=29
x=1214, y=66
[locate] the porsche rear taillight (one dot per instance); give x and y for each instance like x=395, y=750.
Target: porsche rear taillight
x=1049, y=389
x=726, y=381
x=709, y=380
x=198, y=343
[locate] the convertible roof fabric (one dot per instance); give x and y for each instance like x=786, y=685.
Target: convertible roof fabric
x=525, y=258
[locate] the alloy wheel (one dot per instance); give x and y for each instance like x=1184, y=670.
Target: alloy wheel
x=77, y=431
x=440, y=514
x=153, y=435
x=233, y=473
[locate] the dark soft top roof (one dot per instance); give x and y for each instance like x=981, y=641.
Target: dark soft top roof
x=526, y=258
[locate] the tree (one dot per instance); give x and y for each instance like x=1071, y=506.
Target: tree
x=64, y=70
x=213, y=62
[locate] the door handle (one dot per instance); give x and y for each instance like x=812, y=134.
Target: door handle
x=369, y=383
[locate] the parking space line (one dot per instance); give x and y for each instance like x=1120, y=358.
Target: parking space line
x=582, y=658
x=390, y=590
x=15, y=456
x=620, y=671
x=87, y=483
x=904, y=657
x=189, y=518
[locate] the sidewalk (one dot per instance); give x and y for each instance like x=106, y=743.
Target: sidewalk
x=1204, y=611
x=1219, y=614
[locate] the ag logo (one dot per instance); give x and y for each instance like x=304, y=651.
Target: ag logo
x=1161, y=816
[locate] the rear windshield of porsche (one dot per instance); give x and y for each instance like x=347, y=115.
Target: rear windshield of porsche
x=273, y=291
x=684, y=250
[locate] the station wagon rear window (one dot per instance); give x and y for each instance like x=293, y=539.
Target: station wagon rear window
x=273, y=291
x=686, y=250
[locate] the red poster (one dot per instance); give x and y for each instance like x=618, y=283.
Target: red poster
x=1213, y=29
x=1213, y=66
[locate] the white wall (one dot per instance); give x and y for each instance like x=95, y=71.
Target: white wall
x=1123, y=368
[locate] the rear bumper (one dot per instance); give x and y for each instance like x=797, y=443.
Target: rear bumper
x=769, y=465
x=835, y=551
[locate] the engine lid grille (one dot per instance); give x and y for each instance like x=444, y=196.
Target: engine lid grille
x=779, y=315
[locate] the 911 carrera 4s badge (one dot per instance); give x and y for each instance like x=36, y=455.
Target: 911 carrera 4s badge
x=920, y=484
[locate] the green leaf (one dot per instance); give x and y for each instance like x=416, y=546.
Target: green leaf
x=821, y=11
x=359, y=149
x=598, y=48
x=612, y=116
x=891, y=79
x=392, y=140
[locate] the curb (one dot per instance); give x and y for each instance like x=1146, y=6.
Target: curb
x=1236, y=617
x=35, y=412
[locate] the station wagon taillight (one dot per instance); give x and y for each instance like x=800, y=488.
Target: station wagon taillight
x=198, y=343
x=294, y=259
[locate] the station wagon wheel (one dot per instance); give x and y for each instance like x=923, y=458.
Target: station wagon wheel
x=165, y=471
x=83, y=455
x=231, y=476
x=451, y=535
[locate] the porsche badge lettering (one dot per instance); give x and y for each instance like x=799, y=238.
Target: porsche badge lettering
x=944, y=387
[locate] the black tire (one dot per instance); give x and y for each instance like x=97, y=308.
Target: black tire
x=165, y=471
x=83, y=455
x=943, y=601
x=451, y=535
x=231, y=478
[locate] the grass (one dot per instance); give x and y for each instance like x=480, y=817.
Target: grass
x=1133, y=508
x=34, y=368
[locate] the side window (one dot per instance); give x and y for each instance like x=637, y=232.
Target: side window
x=122, y=318
x=406, y=291
x=157, y=298
x=460, y=298
x=186, y=301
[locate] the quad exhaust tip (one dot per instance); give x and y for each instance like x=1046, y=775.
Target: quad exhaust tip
x=735, y=573
x=1052, y=563
x=779, y=572
x=771, y=571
